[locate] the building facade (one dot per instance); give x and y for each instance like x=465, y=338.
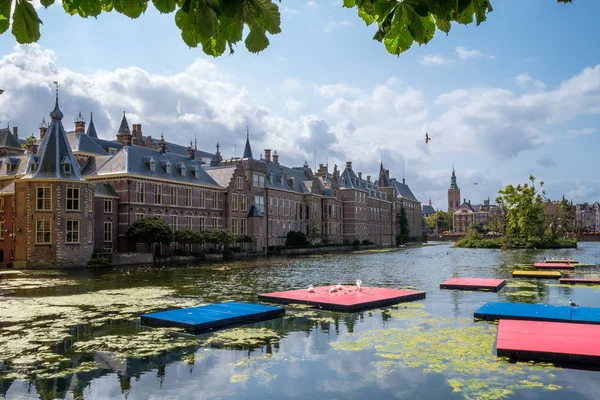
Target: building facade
x=453, y=193
x=69, y=194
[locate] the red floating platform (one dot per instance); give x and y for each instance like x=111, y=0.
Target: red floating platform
x=348, y=298
x=554, y=266
x=473, y=284
x=549, y=341
x=573, y=281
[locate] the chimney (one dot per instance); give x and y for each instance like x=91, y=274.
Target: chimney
x=79, y=124
x=268, y=155
x=218, y=154
x=349, y=164
x=430, y=203
x=16, y=132
x=369, y=178
x=306, y=167
x=360, y=175
x=464, y=200
x=137, y=133
x=403, y=181
x=275, y=158
x=43, y=128
x=387, y=173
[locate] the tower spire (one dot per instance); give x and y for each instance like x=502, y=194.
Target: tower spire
x=247, y=148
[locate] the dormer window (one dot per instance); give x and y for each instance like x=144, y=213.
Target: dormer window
x=166, y=165
x=67, y=167
x=168, y=168
x=32, y=166
x=8, y=166
x=151, y=162
x=196, y=172
x=182, y=169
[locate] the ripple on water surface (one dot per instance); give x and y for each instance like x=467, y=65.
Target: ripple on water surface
x=76, y=334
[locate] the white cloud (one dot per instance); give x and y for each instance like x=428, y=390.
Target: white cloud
x=582, y=132
x=312, y=4
x=287, y=10
x=293, y=105
x=336, y=90
x=465, y=54
x=525, y=81
x=433, y=60
x=335, y=25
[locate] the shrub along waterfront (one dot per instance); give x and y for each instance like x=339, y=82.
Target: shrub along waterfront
x=523, y=221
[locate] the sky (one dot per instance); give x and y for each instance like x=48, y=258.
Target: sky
x=517, y=95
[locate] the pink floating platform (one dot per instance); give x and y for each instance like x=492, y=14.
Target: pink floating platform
x=573, y=281
x=473, y=284
x=554, y=266
x=549, y=341
x=349, y=298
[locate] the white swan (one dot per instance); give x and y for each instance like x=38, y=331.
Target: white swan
x=359, y=284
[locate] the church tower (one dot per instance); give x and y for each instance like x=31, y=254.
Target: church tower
x=453, y=193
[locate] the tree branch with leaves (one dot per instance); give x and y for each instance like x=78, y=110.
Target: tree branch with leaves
x=218, y=25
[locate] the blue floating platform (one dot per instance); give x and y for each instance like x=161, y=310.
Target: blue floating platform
x=203, y=318
x=538, y=312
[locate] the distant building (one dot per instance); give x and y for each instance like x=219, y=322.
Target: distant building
x=427, y=210
x=453, y=193
x=587, y=217
x=468, y=214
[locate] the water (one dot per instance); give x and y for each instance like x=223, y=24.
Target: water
x=74, y=334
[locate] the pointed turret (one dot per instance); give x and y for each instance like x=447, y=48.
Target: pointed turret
x=453, y=184
x=124, y=134
x=248, y=149
x=91, y=131
x=384, y=179
x=55, y=158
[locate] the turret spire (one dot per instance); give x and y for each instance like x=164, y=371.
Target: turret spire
x=247, y=149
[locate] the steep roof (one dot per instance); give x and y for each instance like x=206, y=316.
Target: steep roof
x=55, y=158
x=275, y=178
x=124, y=127
x=464, y=208
x=301, y=181
x=403, y=190
x=91, y=130
x=137, y=160
x=248, y=149
x=84, y=144
x=253, y=211
x=104, y=190
x=13, y=165
x=349, y=180
x=384, y=179
x=221, y=175
x=427, y=209
x=7, y=139
x=181, y=150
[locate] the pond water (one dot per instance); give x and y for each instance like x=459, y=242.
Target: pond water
x=76, y=334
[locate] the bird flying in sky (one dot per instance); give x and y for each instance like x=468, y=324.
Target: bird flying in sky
x=427, y=138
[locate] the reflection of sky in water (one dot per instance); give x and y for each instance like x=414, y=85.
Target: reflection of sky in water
x=304, y=363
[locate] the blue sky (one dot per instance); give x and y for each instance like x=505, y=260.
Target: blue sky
x=502, y=100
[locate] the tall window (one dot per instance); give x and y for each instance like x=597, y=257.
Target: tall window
x=108, y=206
x=215, y=199
x=42, y=231
x=108, y=232
x=188, y=197
x=158, y=194
x=244, y=203
x=258, y=181
x=188, y=223
x=202, y=199
x=90, y=201
x=173, y=223
x=240, y=182
x=202, y=223
x=234, y=226
x=215, y=221
x=270, y=205
x=44, y=198
x=259, y=201
x=90, y=237
x=72, y=198
x=1, y=204
x=255, y=180
x=243, y=226
x=1, y=230
x=173, y=195
x=234, y=201
x=140, y=192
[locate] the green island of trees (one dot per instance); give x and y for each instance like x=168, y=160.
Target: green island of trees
x=218, y=25
x=522, y=221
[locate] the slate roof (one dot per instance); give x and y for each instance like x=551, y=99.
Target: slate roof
x=275, y=178
x=104, y=190
x=18, y=163
x=464, y=208
x=124, y=127
x=248, y=149
x=403, y=190
x=54, y=152
x=136, y=160
x=221, y=175
x=253, y=211
x=301, y=182
x=427, y=209
x=384, y=179
x=8, y=189
x=181, y=150
x=106, y=144
x=84, y=144
x=349, y=180
x=91, y=130
x=7, y=139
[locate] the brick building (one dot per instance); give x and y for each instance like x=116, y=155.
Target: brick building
x=69, y=194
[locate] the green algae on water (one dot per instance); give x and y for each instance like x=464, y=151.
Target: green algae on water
x=243, y=337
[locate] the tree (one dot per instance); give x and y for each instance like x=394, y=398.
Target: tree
x=498, y=220
x=403, y=227
x=218, y=25
x=218, y=237
x=294, y=238
x=439, y=221
x=150, y=231
x=314, y=230
x=525, y=209
x=559, y=218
